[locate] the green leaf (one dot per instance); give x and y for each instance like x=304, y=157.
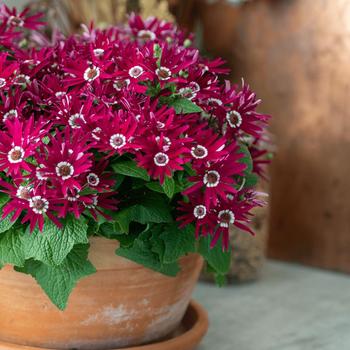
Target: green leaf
x=247, y=159
x=6, y=223
x=183, y=105
x=59, y=281
x=157, y=53
x=220, y=280
x=150, y=209
x=218, y=260
x=145, y=251
x=155, y=186
x=178, y=242
x=251, y=180
x=53, y=244
x=11, y=248
x=130, y=168
x=169, y=186
x=3, y=199
x=189, y=170
x=119, y=180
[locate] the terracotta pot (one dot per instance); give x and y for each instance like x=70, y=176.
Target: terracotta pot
x=123, y=304
x=187, y=336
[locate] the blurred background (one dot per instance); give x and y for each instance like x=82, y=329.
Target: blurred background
x=295, y=54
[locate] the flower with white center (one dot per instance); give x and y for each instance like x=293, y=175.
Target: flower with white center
x=166, y=142
x=15, y=21
x=194, y=86
x=64, y=170
x=12, y=113
x=163, y=73
x=39, y=204
x=145, y=35
x=199, y=152
x=23, y=192
x=15, y=155
x=135, y=71
x=21, y=79
x=205, y=68
x=199, y=211
x=161, y=159
x=117, y=141
x=73, y=120
x=234, y=119
x=226, y=218
x=92, y=179
x=120, y=84
x=95, y=133
x=2, y=82
x=160, y=125
x=229, y=196
x=32, y=62
x=73, y=198
x=214, y=101
x=188, y=93
x=98, y=52
x=93, y=204
x=91, y=73
x=39, y=173
x=60, y=94
x=211, y=178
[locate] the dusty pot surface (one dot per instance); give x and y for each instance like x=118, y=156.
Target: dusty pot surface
x=123, y=304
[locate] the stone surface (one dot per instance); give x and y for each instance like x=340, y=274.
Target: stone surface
x=290, y=308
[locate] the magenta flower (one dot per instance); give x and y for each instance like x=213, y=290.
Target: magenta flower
x=7, y=69
x=13, y=19
x=217, y=180
x=162, y=156
x=17, y=143
x=79, y=114
x=115, y=133
x=65, y=159
x=82, y=72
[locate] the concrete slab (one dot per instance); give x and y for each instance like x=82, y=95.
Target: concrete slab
x=290, y=308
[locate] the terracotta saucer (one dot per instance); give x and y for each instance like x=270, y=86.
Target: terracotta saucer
x=189, y=334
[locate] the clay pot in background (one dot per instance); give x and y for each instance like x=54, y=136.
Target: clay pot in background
x=295, y=54
x=122, y=304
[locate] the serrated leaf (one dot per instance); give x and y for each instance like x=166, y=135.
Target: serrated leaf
x=216, y=258
x=11, y=248
x=53, y=244
x=150, y=209
x=155, y=186
x=130, y=168
x=3, y=199
x=6, y=223
x=168, y=186
x=183, y=105
x=59, y=281
x=144, y=252
x=178, y=242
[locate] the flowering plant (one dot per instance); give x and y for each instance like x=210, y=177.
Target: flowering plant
x=125, y=133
